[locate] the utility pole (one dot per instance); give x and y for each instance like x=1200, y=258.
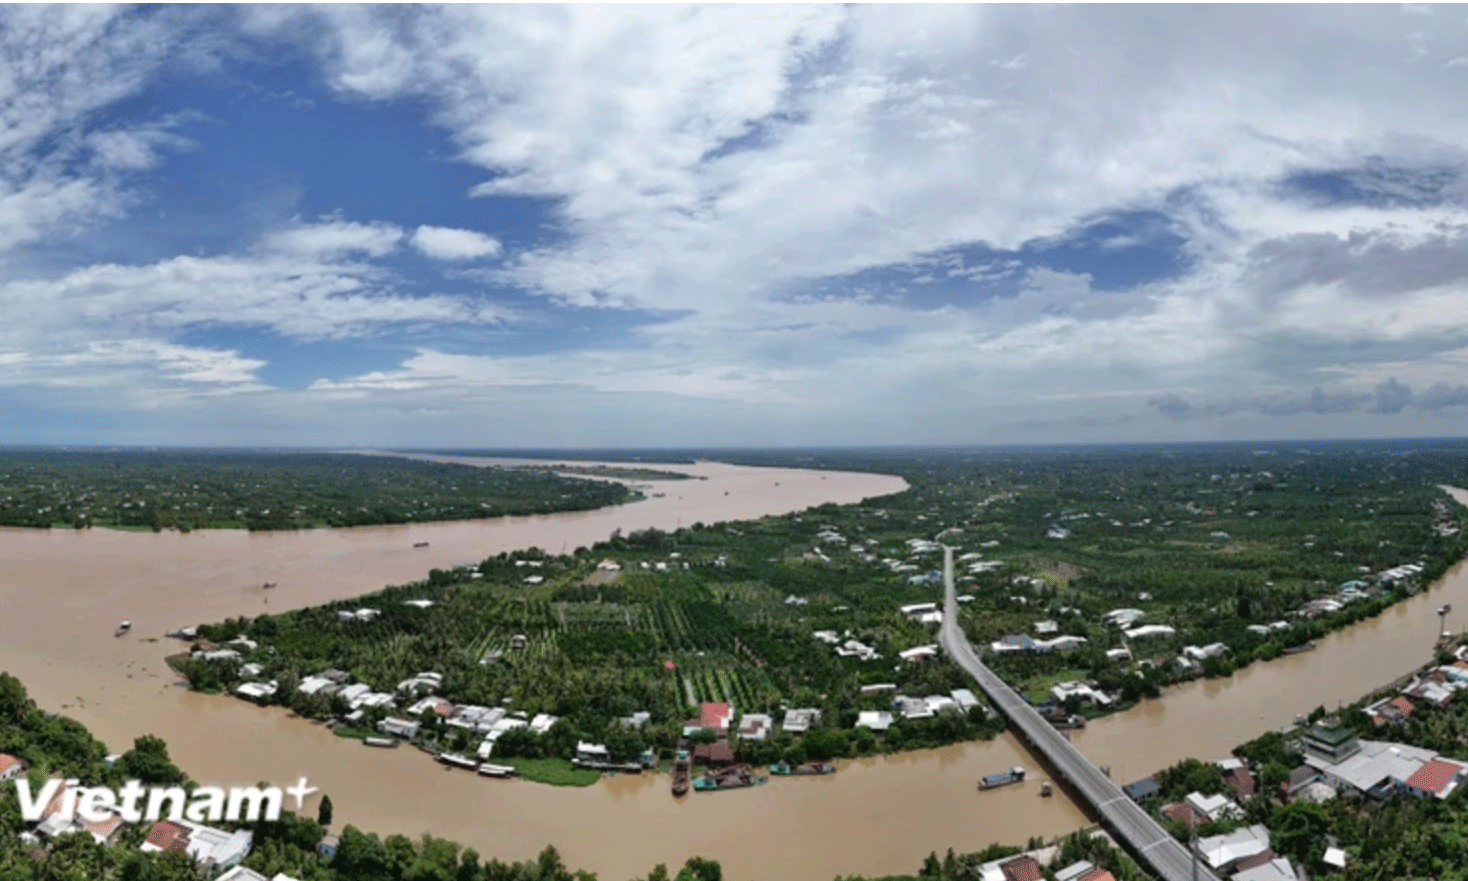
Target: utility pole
x=1193, y=843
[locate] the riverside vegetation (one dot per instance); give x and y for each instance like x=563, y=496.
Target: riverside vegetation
x=1208, y=540
x=51, y=744
x=188, y=490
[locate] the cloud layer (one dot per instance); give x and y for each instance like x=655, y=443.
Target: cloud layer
x=832, y=224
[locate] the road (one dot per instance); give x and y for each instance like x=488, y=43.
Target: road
x=1124, y=817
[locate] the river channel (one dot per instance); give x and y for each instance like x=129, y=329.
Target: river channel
x=64, y=591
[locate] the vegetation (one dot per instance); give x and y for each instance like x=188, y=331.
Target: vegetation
x=1210, y=540
x=609, y=472
x=1095, y=849
x=273, y=491
x=53, y=745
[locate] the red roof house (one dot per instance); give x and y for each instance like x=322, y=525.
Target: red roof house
x=716, y=716
x=1436, y=778
x=1022, y=868
x=166, y=835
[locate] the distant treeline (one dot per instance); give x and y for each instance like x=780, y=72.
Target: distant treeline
x=273, y=491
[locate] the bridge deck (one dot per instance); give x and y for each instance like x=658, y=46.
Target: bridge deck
x=1124, y=817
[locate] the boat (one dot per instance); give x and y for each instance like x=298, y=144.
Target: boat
x=124, y=627
x=268, y=585
x=1045, y=790
x=733, y=777
x=1069, y=722
x=420, y=544
x=680, y=773
x=994, y=781
x=458, y=761
x=489, y=770
x=386, y=742
x=1299, y=649
x=784, y=769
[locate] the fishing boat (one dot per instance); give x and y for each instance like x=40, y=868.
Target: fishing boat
x=735, y=777
x=268, y=585
x=1069, y=722
x=1045, y=790
x=680, y=773
x=784, y=769
x=420, y=544
x=1299, y=649
x=385, y=742
x=124, y=627
x=489, y=770
x=994, y=781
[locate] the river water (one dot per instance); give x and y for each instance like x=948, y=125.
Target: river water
x=63, y=593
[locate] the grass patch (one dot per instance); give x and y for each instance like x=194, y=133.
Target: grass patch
x=556, y=772
x=349, y=731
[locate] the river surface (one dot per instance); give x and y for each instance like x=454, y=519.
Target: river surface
x=64, y=591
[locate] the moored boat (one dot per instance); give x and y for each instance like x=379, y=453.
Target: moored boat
x=386, y=742
x=420, y=544
x=735, y=777
x=1045, y=790
x=458, y=761
x=268, y=585
x=489, y=770
x=680, y=773
x=124, y=627
x=784, y=769
x=993, y=781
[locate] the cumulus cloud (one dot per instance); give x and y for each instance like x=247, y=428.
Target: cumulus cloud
x=335, y=238
x=444, y=243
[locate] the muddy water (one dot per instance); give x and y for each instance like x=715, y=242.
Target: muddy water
x=64, y=592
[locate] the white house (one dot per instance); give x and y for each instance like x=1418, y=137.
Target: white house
x=1212, y=650
x=755, y=726
x=399, y=727
x=876, y=720
x=240, y=873
x=797, y=721
x=1045, y=628
x=209, y=847
x=1123, y=617
x=591, y=752
x=920, y=653
x=1222, y=852
x=1147, y=630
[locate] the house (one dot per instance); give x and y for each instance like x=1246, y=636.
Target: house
x=1213, y=650
x=1045, y=628
x=929, y=618
x=10, y=767
x=592, y=753
x=53, y=824
x=1013, y=643
x=913, y=707
x=1083, y=871
x=1123, y=617
x=716, y=716
x=636, y=720
x=755, y=726
x=518, y=641
x=256, y=690
x=318, y=685
x=240, y=873
x=1334, y=857
x=399, y=728
x=876, y=720
x=423, y=604
x=964, y=699
x=1119, y=654
x=1330, y=743
x=917, y=609
x=251, y=669
x=1142, y=791
x=1147, y=630
x=1212, y=807
x=542, y=723
x=1274, y=868
x=1240, y=779
x=422, y=683
x=1435, y=779
x=439, y=706
x=1059, y=644
x=211, y=848
x=1063, y=691
x=1375, y=769
x=937, y=703
x=1223, y=852
x=920, y=653
x=717, y=753
x=798, y=721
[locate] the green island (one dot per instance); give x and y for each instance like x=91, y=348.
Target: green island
x=42, y=746
x=609, y=472
x=187, y=490
x=1095, y=577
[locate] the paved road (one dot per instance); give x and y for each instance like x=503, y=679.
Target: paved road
x=1124, y=817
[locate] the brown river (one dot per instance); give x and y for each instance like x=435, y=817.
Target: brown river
x=63, y=593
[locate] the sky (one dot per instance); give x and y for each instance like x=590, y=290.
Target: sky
x=661, y=226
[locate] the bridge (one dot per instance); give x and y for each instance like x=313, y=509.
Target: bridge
x=1124, y=817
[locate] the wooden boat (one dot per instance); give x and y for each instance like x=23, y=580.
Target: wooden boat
x=783, y=769
x=268, y=585
x=994, y=781
x=1045, y=790
x=124, y=627
x=420, y=544
x=680, y=773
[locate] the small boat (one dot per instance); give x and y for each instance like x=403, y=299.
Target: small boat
x=994, y=781
x=1299, y=649
x=124, y=627
x=385, y=742
x=784, y=769
x=489, y=770
x=1069, y=722
x=1045, y=790
x=420, y=544
x=268, y=585
x=458, y=761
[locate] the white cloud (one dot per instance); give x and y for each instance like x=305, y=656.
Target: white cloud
x=335, y=238
x=444, y=243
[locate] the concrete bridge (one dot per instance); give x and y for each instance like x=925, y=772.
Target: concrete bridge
x=1124, y=817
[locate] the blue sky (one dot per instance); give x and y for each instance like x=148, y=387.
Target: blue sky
x=718, y=225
